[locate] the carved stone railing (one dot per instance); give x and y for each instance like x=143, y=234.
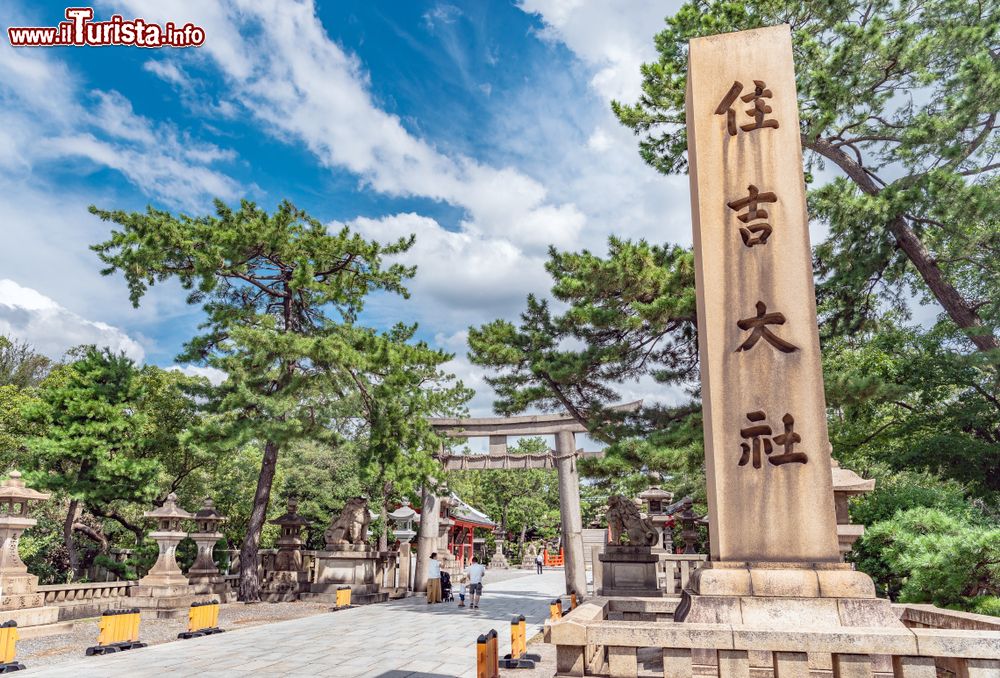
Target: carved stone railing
x=675, y=569
x=77, y=601
x=587, y=644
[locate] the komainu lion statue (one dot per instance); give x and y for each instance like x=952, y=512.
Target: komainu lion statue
x=351, y=526
x=624, y=518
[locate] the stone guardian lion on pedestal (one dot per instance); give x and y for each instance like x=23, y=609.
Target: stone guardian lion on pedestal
x=350, y=527
x=624, y=518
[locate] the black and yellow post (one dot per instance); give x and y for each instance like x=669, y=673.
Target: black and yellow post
x=555, y=609
x=572, y=600
x=118, y=630
x=203, y=620
x=519, y=657
x=343, y=598
x=487, y=656
x=8, y=647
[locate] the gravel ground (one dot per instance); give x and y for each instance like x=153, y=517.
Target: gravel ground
x=63, y=647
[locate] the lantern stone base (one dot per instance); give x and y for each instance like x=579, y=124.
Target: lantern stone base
x=353, y=568
x=282, y=586
x=784, y=596
x=629, y=571
x=21, y=602
x=211, y=585
x=164, y=601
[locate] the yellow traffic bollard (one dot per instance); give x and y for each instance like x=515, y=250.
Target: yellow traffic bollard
x=8, y=647
x=555, y=609
x=203, y=620
x=343, y=597
x=519, y=657
x=118, y=630
x=486, y=656
x=572, y=600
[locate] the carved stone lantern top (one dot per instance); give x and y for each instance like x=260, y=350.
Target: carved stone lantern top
x=847, y=481
x=168, y=516
x=656, y=499
x=208, y=517
x=13, y=492
x=291, y=517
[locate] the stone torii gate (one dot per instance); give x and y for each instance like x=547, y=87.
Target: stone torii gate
x=564, y=427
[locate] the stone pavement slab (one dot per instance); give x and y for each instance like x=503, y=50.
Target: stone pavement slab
x=397, y=639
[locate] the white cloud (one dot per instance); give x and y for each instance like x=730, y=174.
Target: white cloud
x=613, y=38
x=48, y=116
x=168, y=71
x=51, y=329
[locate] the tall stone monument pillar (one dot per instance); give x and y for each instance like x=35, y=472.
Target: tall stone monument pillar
x=570, y=514
x=767, y=454
x=427, y=534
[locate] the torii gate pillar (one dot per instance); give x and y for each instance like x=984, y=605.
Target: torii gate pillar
x=570, y=514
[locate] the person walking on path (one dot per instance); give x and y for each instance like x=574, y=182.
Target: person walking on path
x=434, y=580
x=475, y=573
x=538, y=563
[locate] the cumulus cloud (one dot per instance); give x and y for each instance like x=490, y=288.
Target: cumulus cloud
x=614, y=39
x=51, y=329
x=47, y=115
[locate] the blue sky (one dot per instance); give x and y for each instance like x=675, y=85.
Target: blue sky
x=483, y=127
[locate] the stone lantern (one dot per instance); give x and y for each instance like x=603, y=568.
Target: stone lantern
x=846, y=484
x=655, y=502
x=403, y=519
x=498, y=561
x=287, y=579
x=165, y=589
x=19, y=598
x=204, y=575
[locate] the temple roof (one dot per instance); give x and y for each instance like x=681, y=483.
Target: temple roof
x=463, y=512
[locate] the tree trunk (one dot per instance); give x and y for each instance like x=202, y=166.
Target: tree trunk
x=74, y=559
x=955, y=305
x=383, y=537
x=249, y=589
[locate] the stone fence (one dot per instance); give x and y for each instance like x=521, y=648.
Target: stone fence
x=675, y=569
x=77, y=601
x=588, y=644
x=387, y=570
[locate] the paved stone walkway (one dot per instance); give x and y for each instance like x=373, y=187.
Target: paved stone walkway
x=392, y=640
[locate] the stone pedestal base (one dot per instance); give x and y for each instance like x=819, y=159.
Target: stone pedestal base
x=30, y=616
x=351, y=568
x=163, y=601
x=499, y=562
x=629, y=571
x=282, y=586
x=784, y=596
x=211, y=585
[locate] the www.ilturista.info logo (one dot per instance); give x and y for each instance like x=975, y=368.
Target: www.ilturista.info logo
x=80, y=30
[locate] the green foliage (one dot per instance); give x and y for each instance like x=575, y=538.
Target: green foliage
x=630, y=314
x=905, y=398
x=20, y=365
x=92, y=448
x=282, y=295
x=938, y=557
x=900, y=96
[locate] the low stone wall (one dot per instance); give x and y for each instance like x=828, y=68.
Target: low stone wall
x=588, y=643
x=931, y=617
x=78, y=601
